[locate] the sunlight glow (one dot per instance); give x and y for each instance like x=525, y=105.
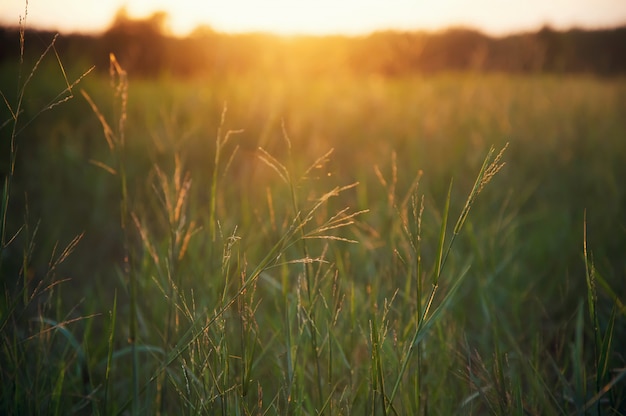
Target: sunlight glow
x=363, y=16
x=324, y=16
x=284, y=16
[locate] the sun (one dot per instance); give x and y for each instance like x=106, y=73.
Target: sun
x=286, y=17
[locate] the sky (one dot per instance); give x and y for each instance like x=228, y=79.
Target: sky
x=350, y=17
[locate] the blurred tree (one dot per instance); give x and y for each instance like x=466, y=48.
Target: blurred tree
x=146, y=48
x=139, y=44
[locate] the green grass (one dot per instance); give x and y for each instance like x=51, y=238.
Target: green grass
x=321, y=247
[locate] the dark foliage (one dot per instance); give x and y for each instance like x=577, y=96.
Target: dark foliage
x=146, y=50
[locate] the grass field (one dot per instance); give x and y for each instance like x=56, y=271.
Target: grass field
x=259, y=245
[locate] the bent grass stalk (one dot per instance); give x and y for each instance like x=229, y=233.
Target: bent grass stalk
x=426, y=320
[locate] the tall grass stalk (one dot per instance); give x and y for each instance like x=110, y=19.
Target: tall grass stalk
x=602, y=340
x=425, y=320
x=19, y=337
x=173, y=195
x=109, y=359
x=415, y=240
x=306, y=267
x=16, y=111
x=340, y=220
x=221, y=140
x=116, y=140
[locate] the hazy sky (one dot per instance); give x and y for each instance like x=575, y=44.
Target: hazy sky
x=324, y=16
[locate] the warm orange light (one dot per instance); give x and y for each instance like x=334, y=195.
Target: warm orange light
x=324, y=16
x=277, y=16
x=363, y=16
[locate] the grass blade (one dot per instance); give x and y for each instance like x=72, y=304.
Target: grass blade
x=442, y=237
x=107, y=374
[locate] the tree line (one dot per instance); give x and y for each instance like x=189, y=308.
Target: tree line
x=146, y=49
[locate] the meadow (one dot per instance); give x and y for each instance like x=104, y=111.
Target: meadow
x=257, y=244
